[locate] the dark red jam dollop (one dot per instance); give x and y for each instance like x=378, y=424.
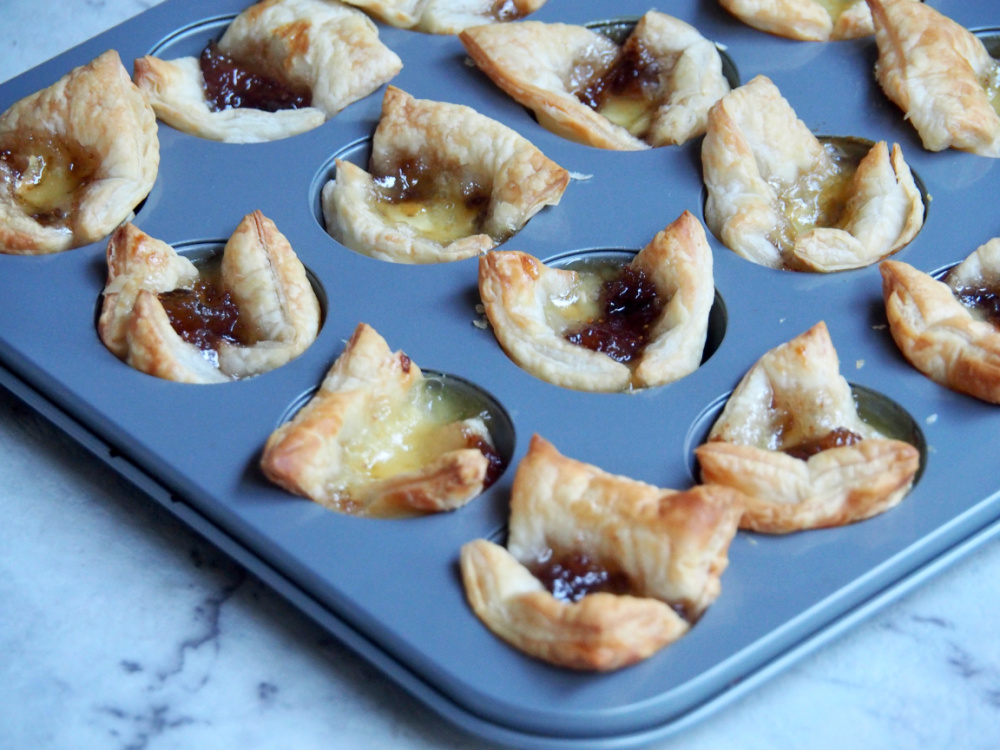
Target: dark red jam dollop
x=232, y=85
x=571, y=577
x=837, y=438
x=413, y=180
x=633, y=73
x=630, y=306
x=985, y=300
x=506, y=10
x=495, y=462
x=204, y=315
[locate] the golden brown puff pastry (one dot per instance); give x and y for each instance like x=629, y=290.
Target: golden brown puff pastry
x=374, y=441
x=778, y=197
x=791, y=440
x=277, y=311
x=806, y=20
x=533, y=308
x=322, y=46
x=445, y=183
x=657, y=554
x=939, y=74
x=75, y=159
x=552, y=68
x=951, y=343
x=446, y=16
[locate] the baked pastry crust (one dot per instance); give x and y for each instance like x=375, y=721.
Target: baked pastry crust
x=795, y=395
x=756, y=152
x=315, y=454
x=266, y=281
x=672, y=546
x=456, y=147
x=935, y=70
x=322, y=45
x=805, y=20
x=517, y=289
x=446, y=16
x=938, y=334
x=95, y=115
x=543, y=66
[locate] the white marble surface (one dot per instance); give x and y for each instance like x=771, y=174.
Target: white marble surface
x=120, y=629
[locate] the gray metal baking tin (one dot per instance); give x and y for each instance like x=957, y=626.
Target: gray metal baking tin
x=390, y=589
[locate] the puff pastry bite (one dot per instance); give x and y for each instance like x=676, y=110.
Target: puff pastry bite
x=653, y=90
x=446, y=16
x=600, y=571
x=643, y=326
x=779, y=197
x=948, y=329
x=378, y=440
x=806, y=20
x=939, y=74
x=790, y=439
x=445, y=183
x=164, y=317
x=75, y=159
x=296, y=63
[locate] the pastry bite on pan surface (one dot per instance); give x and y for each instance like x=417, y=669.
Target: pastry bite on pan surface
x=806, y=20
x=939, y=74
x=639, y=326
x=790, y=439
x=444, y=183
x=164, y=316
x=75, y=159
x=600, y=571
x=446, y=16
x=377, y=440
x=948, y=329
x=653, y=90
x=282, y=67
x=781, y=198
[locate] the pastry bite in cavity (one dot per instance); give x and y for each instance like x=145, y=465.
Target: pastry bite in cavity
x=948, y=329
x=75, y=159
x=282, y=67
x=939, y=74
x=600, y=571
x=607, y=328
x=446, y=16
x=444, y=183
x=806, y=20
x=252, y=311
x=781, y=198
x=653, y=90
x=379, y=439
x=790, y=439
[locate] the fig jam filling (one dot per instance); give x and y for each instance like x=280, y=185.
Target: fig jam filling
x=231, y=85
x=571, y=577
x=506, y=10
x=628, y=307
x=45, y=177
x=983, y=303
x=625, y=92
x=836, y=438
x=413, y=194
x=205, y=315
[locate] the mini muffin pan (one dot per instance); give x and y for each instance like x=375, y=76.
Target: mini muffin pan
x=390, y=588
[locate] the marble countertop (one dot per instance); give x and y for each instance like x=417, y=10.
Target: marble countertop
x=120, y=628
